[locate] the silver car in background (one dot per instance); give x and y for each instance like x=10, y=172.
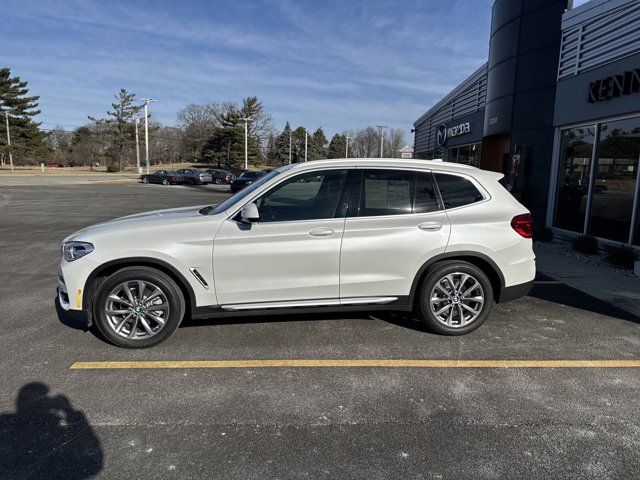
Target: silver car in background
x=195, y=176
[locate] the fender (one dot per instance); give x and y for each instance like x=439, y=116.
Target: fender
x=459, y=254
x=182, y=282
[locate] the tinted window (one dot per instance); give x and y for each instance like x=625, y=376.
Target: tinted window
x=251, y=174
x=457, y=191
x=309, y=196
x=426, y=198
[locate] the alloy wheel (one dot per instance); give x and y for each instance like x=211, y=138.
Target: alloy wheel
x=137, y=309
x=457, y=299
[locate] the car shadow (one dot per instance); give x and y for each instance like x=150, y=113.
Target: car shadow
x=72, y=322
x=46, y=437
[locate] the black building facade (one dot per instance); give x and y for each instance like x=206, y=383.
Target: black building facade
x=557, y=110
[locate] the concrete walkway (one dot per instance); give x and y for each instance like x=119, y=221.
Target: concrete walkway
x=608, y=286
x=56, y=179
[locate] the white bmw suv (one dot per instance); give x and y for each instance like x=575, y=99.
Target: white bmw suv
x=441, y=240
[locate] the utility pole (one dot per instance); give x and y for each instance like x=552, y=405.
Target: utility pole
x=246, y=121
x=289, y=146
x=346, y=148
x=146, y=102
x=306, y=135
x=6, y=116
x=138, y=146
x=381, y=128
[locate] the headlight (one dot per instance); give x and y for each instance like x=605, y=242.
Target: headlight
x=74, y=250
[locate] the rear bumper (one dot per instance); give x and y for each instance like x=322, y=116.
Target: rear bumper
x=514, y=292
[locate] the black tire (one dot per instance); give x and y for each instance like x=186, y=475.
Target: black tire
x=192, y=181
x=440, y=271
x=218, y=181
x=173, y=294
x=145, y=180
x=165, y=182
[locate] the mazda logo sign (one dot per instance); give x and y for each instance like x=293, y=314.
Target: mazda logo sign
x=442, y=135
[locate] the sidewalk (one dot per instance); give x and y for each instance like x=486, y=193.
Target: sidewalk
x=606, y=285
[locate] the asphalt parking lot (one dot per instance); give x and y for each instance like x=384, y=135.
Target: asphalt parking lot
x=300, y=422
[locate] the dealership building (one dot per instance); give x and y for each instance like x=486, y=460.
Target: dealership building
x=556, y=108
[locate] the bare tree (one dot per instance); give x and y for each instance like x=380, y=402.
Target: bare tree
x=393, y=142
x=197, y=122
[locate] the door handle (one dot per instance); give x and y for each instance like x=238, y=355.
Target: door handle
x=322, y=232
x=430, y=226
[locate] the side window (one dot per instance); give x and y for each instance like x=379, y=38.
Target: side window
x=310, y=196
x=457, y=191
x=386, y=192
x=426, y=197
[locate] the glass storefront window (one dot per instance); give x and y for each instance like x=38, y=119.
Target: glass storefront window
x=615, y=175
x=467, y=154
x=576, y=149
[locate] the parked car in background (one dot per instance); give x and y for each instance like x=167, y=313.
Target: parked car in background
x=441, y=240
x=54, y=165
x=195, y=176
x=247, y=178
x=165, y=177
x=221, y=176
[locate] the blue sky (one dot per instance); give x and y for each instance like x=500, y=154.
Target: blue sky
x=335, y=64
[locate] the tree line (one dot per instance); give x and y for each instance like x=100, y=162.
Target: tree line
x=211, y=134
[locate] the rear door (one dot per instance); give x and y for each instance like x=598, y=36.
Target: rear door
x=395, y=223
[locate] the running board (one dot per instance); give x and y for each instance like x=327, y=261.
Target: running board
x=310, y=303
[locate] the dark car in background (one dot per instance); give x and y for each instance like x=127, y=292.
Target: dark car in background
x=247, y=178
x=195, y=176
x=165, y=177
x=221, y=176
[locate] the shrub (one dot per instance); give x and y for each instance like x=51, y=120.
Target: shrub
x=112, y=168
x=622, y=256
x=585, y=244
x=542, y=234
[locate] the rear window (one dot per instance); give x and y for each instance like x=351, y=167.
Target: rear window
x=457, y=191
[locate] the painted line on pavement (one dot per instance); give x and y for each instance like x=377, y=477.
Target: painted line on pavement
x=306, y=363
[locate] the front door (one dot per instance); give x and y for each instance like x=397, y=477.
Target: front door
x=293, y=253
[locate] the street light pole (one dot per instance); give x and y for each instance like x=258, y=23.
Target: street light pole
x=146, y=102
x=306, y=135
x=138, y=146
x=6, y=116
x=381, y=128
x=346, y=148
x=246, y=121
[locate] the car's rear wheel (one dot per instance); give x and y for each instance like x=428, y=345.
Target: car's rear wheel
x=145, y=180
x=192, y=181
x=138, y=307
x=165, y=182
x=218, y=181
x=456, y=298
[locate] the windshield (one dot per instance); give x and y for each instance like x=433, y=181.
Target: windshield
x=250, y=174
x=229, y=202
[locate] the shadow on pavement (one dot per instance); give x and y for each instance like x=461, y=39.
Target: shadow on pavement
x=47, y=438
x=561, y=293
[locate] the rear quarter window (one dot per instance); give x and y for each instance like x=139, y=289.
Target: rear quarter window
x=457, y=191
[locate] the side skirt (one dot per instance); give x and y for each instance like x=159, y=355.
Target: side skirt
x=400, y=304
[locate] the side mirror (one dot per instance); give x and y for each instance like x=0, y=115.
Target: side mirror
x=250, y=213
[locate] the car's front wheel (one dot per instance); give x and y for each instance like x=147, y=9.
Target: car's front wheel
x=165, y=182
x=138, y=307
x=218, y=181
x=455, y=298
x=145, y=180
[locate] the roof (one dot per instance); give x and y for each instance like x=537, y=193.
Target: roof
x=435, y=165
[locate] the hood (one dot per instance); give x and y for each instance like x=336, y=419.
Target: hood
x=141, y=220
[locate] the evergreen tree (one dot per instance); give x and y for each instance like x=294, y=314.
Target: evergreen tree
x=281, y=147
x=337, y=146
x=297, y=142
x=27, y=140
x=318, y=145
x=121, y=125
x=225, y=147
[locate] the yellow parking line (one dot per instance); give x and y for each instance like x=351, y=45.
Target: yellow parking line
x=359, y=363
